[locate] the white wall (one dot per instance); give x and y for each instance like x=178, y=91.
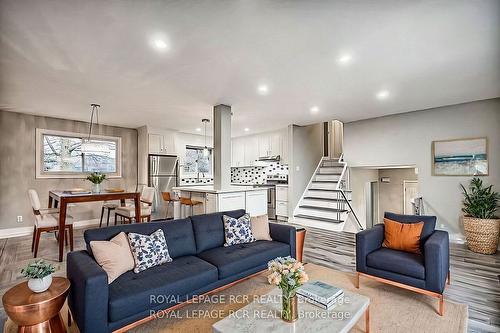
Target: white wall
x=306, y=152
x=405, y=139
x=359, y=178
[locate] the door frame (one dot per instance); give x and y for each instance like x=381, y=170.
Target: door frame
x=404, y=192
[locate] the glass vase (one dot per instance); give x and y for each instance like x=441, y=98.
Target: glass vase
x=289, y=311
x=96, y=188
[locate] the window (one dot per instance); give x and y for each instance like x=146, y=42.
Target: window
x=195, y=162
x=66, y=155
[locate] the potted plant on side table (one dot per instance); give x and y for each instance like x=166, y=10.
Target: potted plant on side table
x=39, y=274
x=289, y=275
x=96, y=178
x=481, y=225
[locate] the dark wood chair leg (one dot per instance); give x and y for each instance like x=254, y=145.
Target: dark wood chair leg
x=149, y=218
x=37, y=241
x=33, y=240
x=66, y=238
x=70, y=231
x=102, y=215
x=107, y=220
x=449, y=277
x=116, y=218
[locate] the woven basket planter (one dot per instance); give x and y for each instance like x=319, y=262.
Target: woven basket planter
x=482, y=234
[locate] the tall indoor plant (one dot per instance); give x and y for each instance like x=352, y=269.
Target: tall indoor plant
x=96, y=178
x=481, y=225
x=288, y=274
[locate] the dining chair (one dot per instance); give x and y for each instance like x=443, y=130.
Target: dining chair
x=128, y=212
x=190, y=203
x=47, y=220
x=169, y=199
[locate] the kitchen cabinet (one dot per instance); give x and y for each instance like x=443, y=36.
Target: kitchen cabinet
x=256, y=202
x=238, y=152
x=251, y=146
x=264, y=145
x=231, y=201
x=210, y=203
x=282, y=202
x=162, y=143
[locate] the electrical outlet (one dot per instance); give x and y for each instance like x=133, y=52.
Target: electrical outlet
x=19, y=219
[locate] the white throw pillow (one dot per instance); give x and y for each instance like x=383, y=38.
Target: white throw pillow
x=114, y=256
x=149, y=250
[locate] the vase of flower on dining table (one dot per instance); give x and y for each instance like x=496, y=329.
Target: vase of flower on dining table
x=289, y=275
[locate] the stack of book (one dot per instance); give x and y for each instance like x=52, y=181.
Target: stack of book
x=321, y=294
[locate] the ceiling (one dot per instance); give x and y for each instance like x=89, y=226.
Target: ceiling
x=57, y=57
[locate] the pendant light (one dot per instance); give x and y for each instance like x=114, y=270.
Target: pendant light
x=205, y=149
x=89, y=146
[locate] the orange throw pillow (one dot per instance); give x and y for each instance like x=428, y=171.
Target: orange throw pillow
x=402, y=236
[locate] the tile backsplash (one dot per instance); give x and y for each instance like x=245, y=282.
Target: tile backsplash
x=195, y=180
x=257, y=174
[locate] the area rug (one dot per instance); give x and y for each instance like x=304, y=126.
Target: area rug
x=391, y=309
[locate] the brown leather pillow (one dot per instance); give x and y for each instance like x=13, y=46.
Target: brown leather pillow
x=402, y=236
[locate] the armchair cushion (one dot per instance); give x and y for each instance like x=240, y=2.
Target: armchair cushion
x=437, y=260
x=405, y=263
x=368, y=241
x=429, y=222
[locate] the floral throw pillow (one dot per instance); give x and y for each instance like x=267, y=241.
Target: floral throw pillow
x=149, y=251
x=237, y=231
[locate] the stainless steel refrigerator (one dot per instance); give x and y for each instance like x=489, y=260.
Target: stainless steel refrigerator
x=162, y=176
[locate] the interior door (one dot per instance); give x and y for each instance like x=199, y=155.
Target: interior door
x=410, y=192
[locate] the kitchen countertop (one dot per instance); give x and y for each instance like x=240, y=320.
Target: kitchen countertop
x=211, y=189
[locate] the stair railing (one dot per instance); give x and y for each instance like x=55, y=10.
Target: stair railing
x=341, y=185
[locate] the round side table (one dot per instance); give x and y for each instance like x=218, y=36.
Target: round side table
x=37, y=312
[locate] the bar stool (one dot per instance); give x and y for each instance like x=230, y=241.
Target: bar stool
x=167, y=197
x=190, y=203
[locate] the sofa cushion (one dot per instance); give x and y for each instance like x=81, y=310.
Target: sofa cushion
x=209, y=229
x=429, y=223
x=237, y=231
x=148, y=250
x=238, y=258
x=178, y=233
x=133, y=293
x=400, y=262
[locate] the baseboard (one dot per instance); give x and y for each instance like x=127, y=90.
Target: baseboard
x=26, y=231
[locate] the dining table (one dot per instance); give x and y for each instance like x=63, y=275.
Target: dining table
x=61, y=199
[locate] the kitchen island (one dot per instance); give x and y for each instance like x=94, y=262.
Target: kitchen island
x=252, y=199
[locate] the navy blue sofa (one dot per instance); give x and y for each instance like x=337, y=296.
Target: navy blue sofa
x=200, y=264
x=425, y=273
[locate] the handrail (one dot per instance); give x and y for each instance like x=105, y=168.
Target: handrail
x=308, y=185
x=352, y=209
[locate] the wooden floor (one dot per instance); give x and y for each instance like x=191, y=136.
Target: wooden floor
x=475, y=277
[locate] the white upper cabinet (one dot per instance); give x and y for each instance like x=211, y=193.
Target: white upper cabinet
x=251, y=149
x=264, y=145
x=247, y=149
x=161, y=142
x=238, y=154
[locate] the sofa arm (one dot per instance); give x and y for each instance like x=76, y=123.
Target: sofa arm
x=286, y=234
x=437, y=261
x=368, y=241
x=88, y=295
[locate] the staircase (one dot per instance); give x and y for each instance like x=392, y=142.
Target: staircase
x=325, y=203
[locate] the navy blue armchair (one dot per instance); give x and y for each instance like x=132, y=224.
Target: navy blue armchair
x=424, y=273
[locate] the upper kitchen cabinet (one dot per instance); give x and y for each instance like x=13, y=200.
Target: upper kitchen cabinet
x=238, y=152
x=251, y=149
x=161, y=142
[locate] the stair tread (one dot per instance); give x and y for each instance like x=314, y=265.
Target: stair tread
x=321, y=189
x=324, y=208
x=326, y=181
x=329, y=173
x=325, y=199
x=324, y=219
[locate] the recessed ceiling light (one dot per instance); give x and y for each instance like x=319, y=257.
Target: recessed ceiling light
x=198, y=129
x=247, y=129
x=159, y=43
x=314, y=109
x=263, y=89
x=344, y=59
x=382, y=94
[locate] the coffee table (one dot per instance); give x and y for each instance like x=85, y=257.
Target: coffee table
x=263, y=315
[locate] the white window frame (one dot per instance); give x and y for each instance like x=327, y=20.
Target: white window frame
x=40, y=174
x=195, y=174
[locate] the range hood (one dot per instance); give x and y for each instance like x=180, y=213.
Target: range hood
x=275, y=158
